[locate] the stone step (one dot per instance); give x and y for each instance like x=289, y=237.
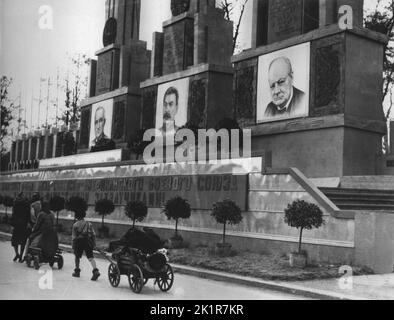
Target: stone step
x=358, y=191
x=361, y=199
x=368, y=207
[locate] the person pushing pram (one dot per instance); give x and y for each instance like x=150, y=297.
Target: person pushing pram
x=44, y=237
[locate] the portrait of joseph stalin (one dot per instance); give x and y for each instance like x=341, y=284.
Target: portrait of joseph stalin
x=101, y=142
x=287, y=100
x=170, y=110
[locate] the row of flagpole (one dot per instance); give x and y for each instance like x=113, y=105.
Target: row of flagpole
x=22, y=121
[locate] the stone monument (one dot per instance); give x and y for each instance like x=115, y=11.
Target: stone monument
x=115, y=77
x=339, y=131
x=193, y=56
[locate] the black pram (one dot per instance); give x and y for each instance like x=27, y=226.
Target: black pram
x=140, y=257
x=145, y=240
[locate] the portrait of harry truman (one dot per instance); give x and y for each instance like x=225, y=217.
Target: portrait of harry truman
x=101, y=142
x=287, y=100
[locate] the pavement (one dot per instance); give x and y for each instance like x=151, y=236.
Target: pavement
x=371, y=287
x=22, y=283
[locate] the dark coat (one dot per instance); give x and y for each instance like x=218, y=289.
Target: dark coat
x=20, y=221
x=44, y=235
x=103, y=143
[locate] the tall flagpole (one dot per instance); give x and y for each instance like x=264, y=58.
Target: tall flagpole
x=39, y=106
x=19, y=112
x=57, y=96
x=46, y=116
x=32, y=109
x=25, y=121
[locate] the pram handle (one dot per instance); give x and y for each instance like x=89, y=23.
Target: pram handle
x=105, y=255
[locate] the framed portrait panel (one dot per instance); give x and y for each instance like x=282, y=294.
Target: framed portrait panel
x=101, y=121
x=172, y=105
x=283, y=84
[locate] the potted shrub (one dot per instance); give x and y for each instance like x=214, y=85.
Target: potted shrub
x=57, y=204
x=226, y=212
x=76, y=204
x=175, y=209
x=8, y=202
x=303, y=216
x=104, y=207
x=136, y=211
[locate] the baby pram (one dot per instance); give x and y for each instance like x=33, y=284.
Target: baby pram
x=139, y=268
x=44, y=248
x=140, y=257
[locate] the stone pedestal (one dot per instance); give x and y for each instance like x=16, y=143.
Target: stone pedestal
x=121, y=66
x=208, y=101
x=107, y=69
x=178, y=44
x=277, y=20
x=199, y=35
x=329, y=11
x=195, y=48
x=342, y=132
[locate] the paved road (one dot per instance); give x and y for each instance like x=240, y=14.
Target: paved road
x=19, y=282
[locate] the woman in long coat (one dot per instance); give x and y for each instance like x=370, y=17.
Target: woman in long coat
x=44, y=235
x=20, y=222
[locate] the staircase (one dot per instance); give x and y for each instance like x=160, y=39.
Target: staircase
x=361, y=199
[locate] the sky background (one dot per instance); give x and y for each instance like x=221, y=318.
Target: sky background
x=28, y=53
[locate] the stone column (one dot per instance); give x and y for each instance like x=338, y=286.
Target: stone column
x=18, y=154
x=92, y=78
x=55, y=132
x=37, y=134
x=259, y=23
x=329, y=11
x=157, y=55
x=25, y=151
x=29, y=153
x=45, y=133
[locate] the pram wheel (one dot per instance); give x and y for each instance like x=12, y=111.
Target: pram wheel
x=36, y=262
x=60, y=263
x=166, y=280
x=113, y=275
x=136, y=279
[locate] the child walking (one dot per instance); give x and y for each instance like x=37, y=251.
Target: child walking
x=83, y=240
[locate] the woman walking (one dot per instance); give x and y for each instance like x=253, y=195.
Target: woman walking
x=44, y=235
x=20, y=222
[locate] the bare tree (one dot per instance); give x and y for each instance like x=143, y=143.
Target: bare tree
x=381, y=19
x=7, y=108
x=234, y=11
x=75, y=88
